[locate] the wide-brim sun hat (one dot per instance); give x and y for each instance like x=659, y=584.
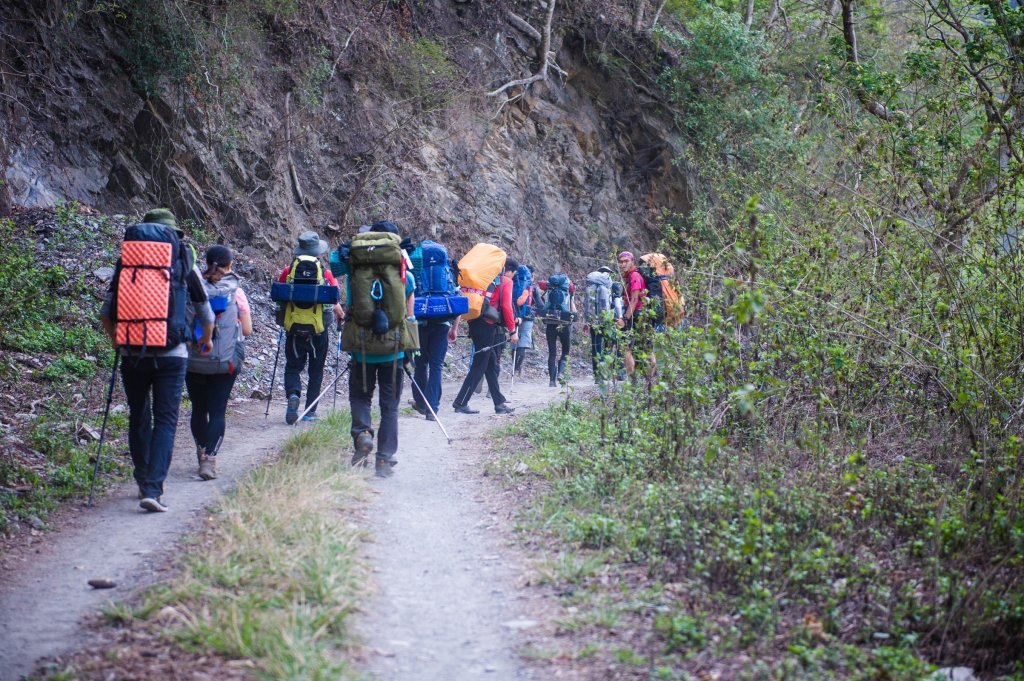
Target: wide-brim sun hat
x=310, y=243
x=162, y=216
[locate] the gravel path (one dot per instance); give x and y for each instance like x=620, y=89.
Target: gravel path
x=44, y=595
x=450, y=602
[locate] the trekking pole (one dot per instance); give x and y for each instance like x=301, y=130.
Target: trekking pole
x=273, y=374
x=312, y=405
x=515, y=350
x=103, y=428
x=489, y=347
x=427, y=403
x=337, y=365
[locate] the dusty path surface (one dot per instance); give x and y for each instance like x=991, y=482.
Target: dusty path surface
x=44, y=595
x=451, y=602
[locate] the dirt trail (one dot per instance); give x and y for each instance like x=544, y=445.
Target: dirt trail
x=450, y=602
x=44, y=597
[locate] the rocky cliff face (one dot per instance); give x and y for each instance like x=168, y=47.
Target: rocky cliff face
x=260, y=119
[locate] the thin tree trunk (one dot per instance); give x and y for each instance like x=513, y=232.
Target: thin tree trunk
x=638, y=18
x=657, y=15
x=748, y=15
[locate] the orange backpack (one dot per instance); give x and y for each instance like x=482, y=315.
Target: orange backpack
x=149, y=288
x=663, y=275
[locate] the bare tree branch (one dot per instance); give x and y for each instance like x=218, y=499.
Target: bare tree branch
x=881, y=111
x=523, y=25
x=546, y=59
x=657, y=14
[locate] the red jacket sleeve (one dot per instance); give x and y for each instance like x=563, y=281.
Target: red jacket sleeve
x=284, y=274
x=506, y=304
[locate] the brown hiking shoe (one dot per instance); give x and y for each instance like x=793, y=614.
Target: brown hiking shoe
x=364, y=445
x=383, y=467
x=200, y=453
x=207, y=467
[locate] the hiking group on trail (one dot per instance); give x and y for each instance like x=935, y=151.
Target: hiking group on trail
x=399, y=312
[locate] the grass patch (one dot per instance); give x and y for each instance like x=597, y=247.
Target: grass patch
x=815, y=561
x=274, y=577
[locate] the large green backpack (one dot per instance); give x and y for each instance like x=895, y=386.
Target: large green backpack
x=377, y=309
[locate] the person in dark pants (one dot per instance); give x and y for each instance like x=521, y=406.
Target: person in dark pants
x=485, y=335
x=557, y=331
x=368, y=372
x=305, y=348
x=153, y=381
x=434, y=339
x=209, y=391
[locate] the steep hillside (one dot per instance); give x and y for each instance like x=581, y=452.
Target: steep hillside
x=260, y=118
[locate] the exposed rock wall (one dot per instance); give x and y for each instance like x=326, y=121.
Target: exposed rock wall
x=560, y=176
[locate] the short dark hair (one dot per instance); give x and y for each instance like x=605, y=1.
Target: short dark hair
x=511, y=265
x=218, y=255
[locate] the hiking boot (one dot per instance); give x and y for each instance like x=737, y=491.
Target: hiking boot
x=552, y=383
x=208, y=467
x=364, y=445
x=465, y=409
x=418, y=407
x=152, y=505
x=382, y=468
x=503, y=408
x=431, y=417
x=200, y=453
x=292, y=414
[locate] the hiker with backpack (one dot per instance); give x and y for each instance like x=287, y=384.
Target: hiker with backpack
x=437, y=304
x=634, y=332
x=306, y=325
x=599, y=318
x=559, y=314
x=380, y=335
x=487, y=334
x=522, y=295
x=211, y=376
x=143, y=312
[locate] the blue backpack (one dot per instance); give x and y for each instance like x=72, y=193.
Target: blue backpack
x=437, y=296
x=557, y=297
x=522, y=281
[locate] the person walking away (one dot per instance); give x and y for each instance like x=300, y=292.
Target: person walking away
x=210, y=377
x=306, y=325
x=559, y=313
x=143, y=313
x=379, y=312
x=435, y=332
x=487, y=337
x=598, y=318
x=633, y=297
x=522, y=294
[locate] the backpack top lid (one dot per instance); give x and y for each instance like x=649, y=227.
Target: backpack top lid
x=559, y=281
x=599, y=279
x=306, y=269
x=479, y=267
x=659, y=264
